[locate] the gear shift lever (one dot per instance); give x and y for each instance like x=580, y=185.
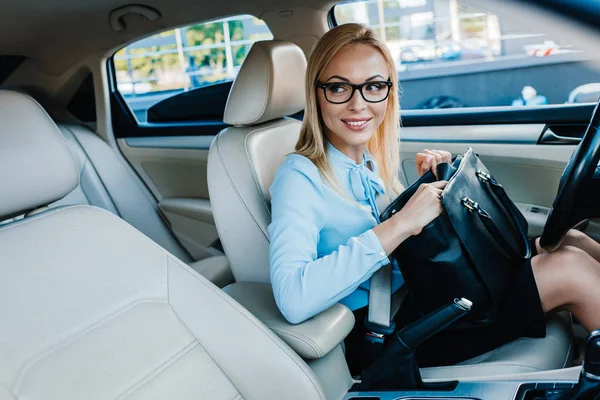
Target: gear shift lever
x=397, y=368
x=588, y=387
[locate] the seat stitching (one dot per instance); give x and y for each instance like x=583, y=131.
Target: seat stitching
x=235, y=190
x=102, y=210
x=159, y=369
x=249, y=317
x=268, y=87
x=106, y=319
x=252, y=170
x=306, y=340
x=483, y=359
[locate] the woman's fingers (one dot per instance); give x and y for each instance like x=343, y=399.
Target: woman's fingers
x=432, y=161
x=429, y=160
x=439, y=184
x=441, y=156
x=423, y=163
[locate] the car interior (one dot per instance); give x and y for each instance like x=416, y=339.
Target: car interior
x=134, y=251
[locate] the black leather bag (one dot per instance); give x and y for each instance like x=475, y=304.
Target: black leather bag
x=471, y=250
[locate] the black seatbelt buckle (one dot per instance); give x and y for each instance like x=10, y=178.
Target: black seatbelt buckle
x=376, y=333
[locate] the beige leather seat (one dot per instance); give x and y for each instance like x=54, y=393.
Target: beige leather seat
x=93, y=309
x=242, y=162
x=104, y=181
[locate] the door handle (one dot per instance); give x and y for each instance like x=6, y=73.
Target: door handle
x=549, y=137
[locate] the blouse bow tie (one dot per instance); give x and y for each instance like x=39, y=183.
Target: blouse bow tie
x=362, y=179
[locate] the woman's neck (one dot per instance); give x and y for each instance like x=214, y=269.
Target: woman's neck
x=355, y=153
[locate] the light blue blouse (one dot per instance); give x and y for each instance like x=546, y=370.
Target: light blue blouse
x=323, y=249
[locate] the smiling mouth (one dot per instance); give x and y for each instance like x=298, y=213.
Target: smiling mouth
x=357, y=123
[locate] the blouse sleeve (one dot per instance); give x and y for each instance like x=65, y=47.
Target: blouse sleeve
x=303, y=284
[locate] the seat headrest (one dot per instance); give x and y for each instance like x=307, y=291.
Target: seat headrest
x=270, y=84
x=36, y=166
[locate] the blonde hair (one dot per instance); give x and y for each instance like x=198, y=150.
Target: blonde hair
x=383, y=145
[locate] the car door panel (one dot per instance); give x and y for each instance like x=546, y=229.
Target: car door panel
x=193, y=223
x=174, y=169
x=529, y=172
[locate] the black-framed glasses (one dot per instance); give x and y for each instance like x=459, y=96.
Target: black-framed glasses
x=342, y=92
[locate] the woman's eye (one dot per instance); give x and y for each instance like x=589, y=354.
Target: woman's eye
x=337, y=88
x=374, y=87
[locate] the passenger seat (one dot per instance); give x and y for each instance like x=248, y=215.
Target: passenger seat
x=107, y=183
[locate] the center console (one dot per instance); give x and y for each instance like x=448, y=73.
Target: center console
x=493, y=390
x=396, y=375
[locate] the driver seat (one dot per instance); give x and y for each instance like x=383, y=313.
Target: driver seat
x=241, y=166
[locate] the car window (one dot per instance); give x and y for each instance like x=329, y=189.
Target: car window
x=451, y=55
x=184, y=60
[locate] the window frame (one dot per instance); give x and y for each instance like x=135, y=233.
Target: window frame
x=125, y=122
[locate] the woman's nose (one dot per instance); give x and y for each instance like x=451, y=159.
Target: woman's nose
x=357, y=103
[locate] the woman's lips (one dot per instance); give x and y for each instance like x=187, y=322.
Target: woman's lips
x=356, y=124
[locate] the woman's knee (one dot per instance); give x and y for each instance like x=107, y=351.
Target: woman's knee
x=575, y=238
x=564, y=276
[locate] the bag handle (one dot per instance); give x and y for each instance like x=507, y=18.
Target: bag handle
x=488, y=222
x=517, y=218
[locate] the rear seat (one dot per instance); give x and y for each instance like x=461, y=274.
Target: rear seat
x=107, y=183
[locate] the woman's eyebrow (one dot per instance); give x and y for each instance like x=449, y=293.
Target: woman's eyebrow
x=338, y=77
x=373, y=77
x=348, y=80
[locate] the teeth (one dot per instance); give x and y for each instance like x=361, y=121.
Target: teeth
x=357, y=123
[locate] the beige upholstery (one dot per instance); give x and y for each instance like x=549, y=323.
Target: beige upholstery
x=270, y=84
x=215, y=269
x=100, y=311
x=311, y=339
x=237, y=189
x=93, y=309
x=523, y=355
x=107, y=183
x=31, y=176
x=241, y=164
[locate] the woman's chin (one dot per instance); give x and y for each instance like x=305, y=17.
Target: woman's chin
x=358, y=138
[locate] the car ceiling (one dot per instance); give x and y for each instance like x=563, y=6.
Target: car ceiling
x=60, y=33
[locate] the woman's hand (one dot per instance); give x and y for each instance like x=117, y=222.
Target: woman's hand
x=422, y=208
x=429, y=159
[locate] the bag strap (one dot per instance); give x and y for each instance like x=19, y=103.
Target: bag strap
x=491, y=227
x=493, y=230
x=518, y=221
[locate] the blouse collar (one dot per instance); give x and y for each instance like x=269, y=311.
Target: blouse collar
x=361, y=176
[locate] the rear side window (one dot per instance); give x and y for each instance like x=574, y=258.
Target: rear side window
x=184, y=60
x=450, y=54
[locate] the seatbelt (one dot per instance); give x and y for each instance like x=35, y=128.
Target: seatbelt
x=379, y=322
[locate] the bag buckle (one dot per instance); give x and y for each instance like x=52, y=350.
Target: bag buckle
x=470, y=204
x=483, y=176
x=376, y=333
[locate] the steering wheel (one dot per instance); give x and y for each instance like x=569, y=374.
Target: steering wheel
x=578, y=195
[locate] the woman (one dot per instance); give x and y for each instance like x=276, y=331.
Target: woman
x=326, y=237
